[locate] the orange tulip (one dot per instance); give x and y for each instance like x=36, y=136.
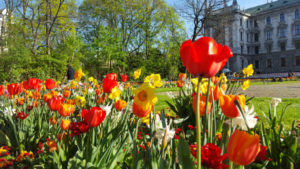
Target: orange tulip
x=47, y=97
x=228, y=107
x=243, y=148
x=64, y=124
x=182, y=76
x=66, y=93
x=66, y=109
x=53, y=120
x=120, y=105
x=70, y=101
x=61, y=136
x=202, y=104
x=20, y=101
x=217, y=93
x=180, y=83
x=52, y=145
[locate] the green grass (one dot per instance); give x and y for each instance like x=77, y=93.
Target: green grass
x=171, y=89
x=261, y=107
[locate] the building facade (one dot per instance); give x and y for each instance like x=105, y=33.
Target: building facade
x=3, y=15
x=267, y=36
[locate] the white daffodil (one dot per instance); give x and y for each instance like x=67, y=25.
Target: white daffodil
x=107, y=108
x=9, y=111
x=249, y=116
x=91, y=90
x=161, y=131
x=188, y=84
x=276, y=101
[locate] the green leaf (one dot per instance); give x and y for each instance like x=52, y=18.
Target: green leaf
x=184, y=155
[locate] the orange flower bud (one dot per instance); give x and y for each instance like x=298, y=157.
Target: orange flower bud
x=228, y=106
x=180, y=83
x=120, y=105
x=202, y=104
x=66, y=93
x=66, y=109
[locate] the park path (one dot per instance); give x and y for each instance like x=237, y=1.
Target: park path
x=285, y=90
x=289, y=90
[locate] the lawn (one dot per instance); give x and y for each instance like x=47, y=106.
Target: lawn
x=261, y=106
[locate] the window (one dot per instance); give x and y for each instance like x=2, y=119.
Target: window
x=269, y=35
x=282, y=17
x=247, y=37
x=247, y=23
x=248, y=50
x=268, y=20
x=282, y=32
x=242, y=49
x=269, y=63
x=297, y=14
x=242, y=63
x=255, y=23
x=282, y=46
x=297, y=29
x=256, y=37
x=298, y=60
x=241, y=36
x=256, y=49
x=241, y=22
x=283, y=64
x=269, y=49
x=297, y=44
x=257, y=64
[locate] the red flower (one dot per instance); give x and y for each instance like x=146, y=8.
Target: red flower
x=1, y=89
x=14, y=88
x=78, y=128
x=124, y=78
x=191, y=127
x=33, y=83
x=110, y=82
x=262, y=155
x=21, y=115
x=50, y=84
x=93, y=117
x=204, y=57
x=55, y=102
x=210, y=156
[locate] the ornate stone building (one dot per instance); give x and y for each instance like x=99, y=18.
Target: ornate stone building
x=267, y=36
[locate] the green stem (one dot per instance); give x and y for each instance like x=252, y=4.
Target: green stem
x=230, y=162
x=198, y=122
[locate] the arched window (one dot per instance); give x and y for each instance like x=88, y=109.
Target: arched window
x=297, y=14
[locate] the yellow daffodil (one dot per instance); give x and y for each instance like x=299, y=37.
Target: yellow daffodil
x=137, y=73
x=146, y=120
x=223, y=78
x=95, y=82
x=73, y=84
x=144, y=96
x=80, y=101
x=91, y=79
x=115, y=93
x=246, y=84
x=248, y=71
x=154, y=80
x=78, y=75
x=58, y=82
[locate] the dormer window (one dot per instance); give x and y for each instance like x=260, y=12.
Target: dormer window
x=268, y=20
x=282, y=17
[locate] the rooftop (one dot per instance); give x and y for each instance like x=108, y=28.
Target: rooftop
x=271, y=5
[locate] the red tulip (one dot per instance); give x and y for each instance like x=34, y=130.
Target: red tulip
x=33, y=83
x=124, y=78
x=50, y=84
x=93, y=117
x=21, y=115
x=243, y=147
x=55, y=102
x=1, y=89
x=14, y=88
x=110, y=82
x=204, y=57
